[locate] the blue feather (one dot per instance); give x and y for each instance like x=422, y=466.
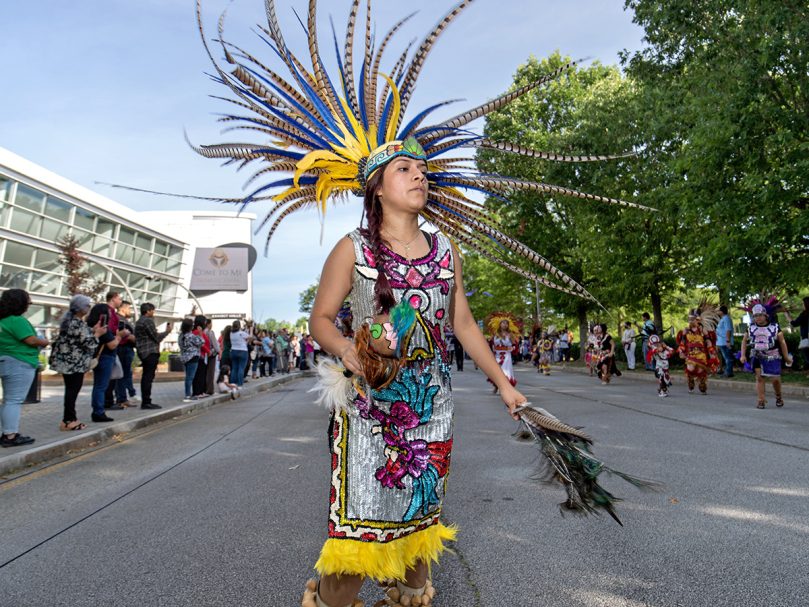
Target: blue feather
x=420, y=116
x=363, y=112
x=403, y=317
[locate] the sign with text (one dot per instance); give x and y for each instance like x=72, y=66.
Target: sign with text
x=220, y=269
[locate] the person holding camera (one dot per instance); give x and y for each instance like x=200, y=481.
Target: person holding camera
x=148, y=341
x=107, y=314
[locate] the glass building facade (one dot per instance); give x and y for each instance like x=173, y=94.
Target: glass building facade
x=126, y=256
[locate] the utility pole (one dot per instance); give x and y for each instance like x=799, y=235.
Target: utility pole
x=536, y=293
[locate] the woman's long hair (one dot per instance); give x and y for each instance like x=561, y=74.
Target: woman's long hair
x=372, y=208
x=13, y=302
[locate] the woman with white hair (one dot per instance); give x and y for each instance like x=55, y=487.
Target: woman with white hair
x=72, y=355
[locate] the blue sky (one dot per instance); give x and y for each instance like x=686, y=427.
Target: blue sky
x=102, y=90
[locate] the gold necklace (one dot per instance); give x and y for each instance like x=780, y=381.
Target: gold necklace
x=405, y=245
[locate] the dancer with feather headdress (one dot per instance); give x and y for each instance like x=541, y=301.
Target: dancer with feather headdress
x=391, y=434
x=768, y=348
x=695, y=345
x=504, y=329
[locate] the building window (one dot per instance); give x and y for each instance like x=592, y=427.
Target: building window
x=104, y=234
x=126, y=236
x=58, y=209
x=25, y=222
x=84, y=219
x=13, y=277
x=19, y=254
x=5, y=187
x=29, y=198
x=53, y=230
x=48, y=261
x=159, y=263
x=84, y=238
x=144, y=242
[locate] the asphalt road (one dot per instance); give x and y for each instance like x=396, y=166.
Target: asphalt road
x=228, y=508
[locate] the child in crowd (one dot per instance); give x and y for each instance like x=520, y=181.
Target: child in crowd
x=660, y=353
x=590, y=351
x=767, y=350
x=224, y=384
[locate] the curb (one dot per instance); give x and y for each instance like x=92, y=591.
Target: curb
x=734, y=386
x=35, y=456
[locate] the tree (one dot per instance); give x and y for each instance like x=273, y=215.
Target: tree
x=735, y=77
x=306, y=298
x=622, y=256
x=78, y=279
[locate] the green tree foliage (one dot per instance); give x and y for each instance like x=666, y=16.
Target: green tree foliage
x=306, y=298
x=735, y=88
x=491, y=288
x=616, y=253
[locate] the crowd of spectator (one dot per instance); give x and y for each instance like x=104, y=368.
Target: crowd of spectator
x=101, y=339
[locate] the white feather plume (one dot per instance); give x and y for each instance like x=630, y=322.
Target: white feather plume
x=334, y=387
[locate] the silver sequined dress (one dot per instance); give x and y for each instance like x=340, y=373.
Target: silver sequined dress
x=391, y=448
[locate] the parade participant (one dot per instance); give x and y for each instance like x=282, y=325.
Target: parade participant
x=606, y=355
x=591, y=350
x=504, y=330
x=545, y=347
x=765, y=338
x=391, y=435
x=695, y=345
x=647, y=329
x=628, y=341
x=660, y=353
x=802, y=322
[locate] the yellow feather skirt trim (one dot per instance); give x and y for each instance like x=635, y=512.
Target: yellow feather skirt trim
x=384, y=561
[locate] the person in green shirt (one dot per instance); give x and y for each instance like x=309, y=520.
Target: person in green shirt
x=19, y=359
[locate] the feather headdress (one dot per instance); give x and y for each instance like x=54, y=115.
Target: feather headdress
x=771, y=303
x=322, y=130
x=493, y=320
x=707, y=313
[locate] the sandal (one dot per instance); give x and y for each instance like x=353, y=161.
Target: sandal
x=779, y=402
x=73, y=426
x=760, y=404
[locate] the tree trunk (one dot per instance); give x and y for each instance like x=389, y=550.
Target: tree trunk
x=581, y=313
x=657, y=311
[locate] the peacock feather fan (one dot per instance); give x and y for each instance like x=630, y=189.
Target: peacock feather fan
x=567, y=459
x=319, y=130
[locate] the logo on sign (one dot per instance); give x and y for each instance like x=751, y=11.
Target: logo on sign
x=218, y=258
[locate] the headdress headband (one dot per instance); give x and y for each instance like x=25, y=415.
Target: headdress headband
x=324, y=131
x=386, y=152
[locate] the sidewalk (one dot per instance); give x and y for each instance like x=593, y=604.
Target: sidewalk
x=41, y=420
x=678, y=377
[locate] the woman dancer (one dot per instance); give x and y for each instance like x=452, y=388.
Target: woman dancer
x=389, y=526
x=328, y=138
x=606, y=359
x=505, y=332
